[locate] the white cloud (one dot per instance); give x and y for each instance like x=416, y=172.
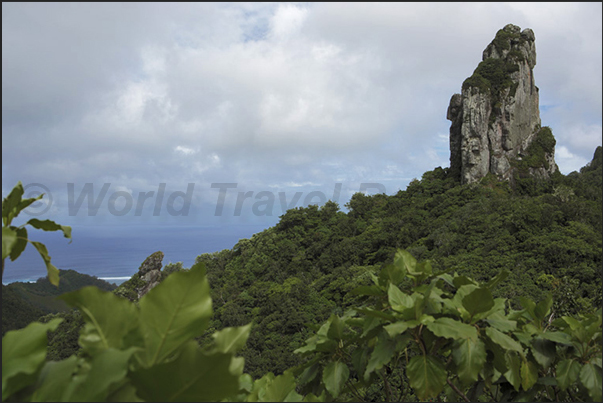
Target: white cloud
x=567, y=161
x=263, y=94
x=185, y=150
x=287, y=21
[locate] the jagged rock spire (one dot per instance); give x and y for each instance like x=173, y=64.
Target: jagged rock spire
x=496, y=118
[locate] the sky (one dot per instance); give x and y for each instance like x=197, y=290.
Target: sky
x=228, y=114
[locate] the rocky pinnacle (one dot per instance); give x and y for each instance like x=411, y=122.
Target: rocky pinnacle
x=496, y=118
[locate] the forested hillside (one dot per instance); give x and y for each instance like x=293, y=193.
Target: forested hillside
x=23, y=303
x=546, y=234
x=336, y=306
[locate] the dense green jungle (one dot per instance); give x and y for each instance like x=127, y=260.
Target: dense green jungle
x=23, y=303
x=320, y=273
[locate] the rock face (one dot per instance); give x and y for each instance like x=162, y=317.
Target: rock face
x=150, y=273
x=496, y=118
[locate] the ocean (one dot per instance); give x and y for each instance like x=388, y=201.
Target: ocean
x=114, y=254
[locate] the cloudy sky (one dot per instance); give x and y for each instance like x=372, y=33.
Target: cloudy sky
x=275, y=98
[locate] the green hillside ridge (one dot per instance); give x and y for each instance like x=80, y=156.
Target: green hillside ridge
x=23, y=303
x=547, y=235
x=289, y=278
x=322, y=282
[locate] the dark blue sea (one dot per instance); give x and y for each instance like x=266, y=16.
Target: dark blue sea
x=115, y=253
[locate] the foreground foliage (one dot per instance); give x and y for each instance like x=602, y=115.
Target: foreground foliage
x=426, y=335
x=546, y=234
x=408, y=331
x=14, y=239
x=23, y=303
x=130, y=352
x=443, y=334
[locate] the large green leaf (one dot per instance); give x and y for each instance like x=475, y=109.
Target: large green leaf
x=10, y=205
x=427, y=376
x=558, y=337
x=590, y=377
x=503, y=340
x=48, y=225
x=336, y=329
x=20, y=244
x=391, y=274
x=382, y=354
x=192, y=376
x=53, y=272
x=469, y=355
x=274, y=389
x=498, y=359
x=309, y=373
x=528, y=305
x=377, y=314
x=282, y=388
x=9, y=239
x=54, y=380
x=110, y=320
x=543, y=351
x=529, y=374
x=403, y=260
x=107, y=368
x=459, y=281
x=499, y=321
x=334, y=377
x=175, y=311
x=259, y=388
x=567, y=373
x=397, y=299
x=500, y=277
x=513, y=373
x=400, y=327
x=543, y=308
x=370, y=326
x=23, y=355
x=479, y=300
x=452, y=329
x=231, y=339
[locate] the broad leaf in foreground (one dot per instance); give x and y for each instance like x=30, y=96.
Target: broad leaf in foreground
x=590, y=376
x=469, y=356
x=49, y=225
x=567, y=373
x=231, y=339
x=53, y=272
x=334, y=376
x=9, y=239
x=506, y=342
x=61, y=380
x=109, y=318
x=20, y=244
x=23, y=355
x=479, y=300
x=427, y=376
x=529, y=374
x=192, y=376
x=382, y=354
x=452, y=329
x=54, y=380
x=270, y=388
x=175, y=311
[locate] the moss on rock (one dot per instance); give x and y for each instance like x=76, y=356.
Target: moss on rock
x=129, y=289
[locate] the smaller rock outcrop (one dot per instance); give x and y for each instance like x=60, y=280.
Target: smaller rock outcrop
x=496, y=118
x=150, y=273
